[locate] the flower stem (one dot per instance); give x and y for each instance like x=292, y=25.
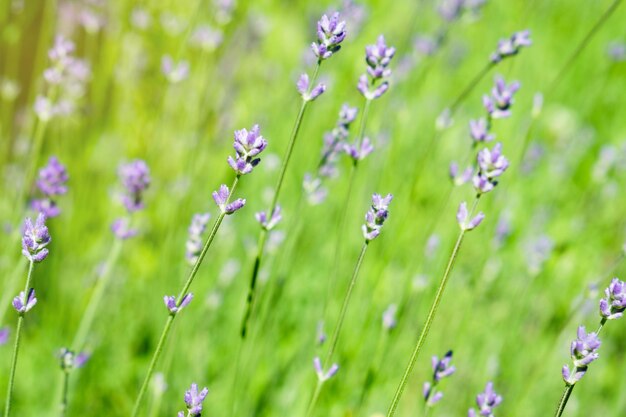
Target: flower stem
x=338, y=326
x=263, y=235
x=564, y=398
x=16, y=346
x=66, y=385
x=429, y=319
x=168, y=324
x=470, y=87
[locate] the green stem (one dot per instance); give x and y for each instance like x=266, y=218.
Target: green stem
x=468, y=89
x=183, y=292
x=16, y=346
x=342, y=316
x=66, y=385
x=277, y=188
x=429, y=319
x=563, y=402
x=316, y=395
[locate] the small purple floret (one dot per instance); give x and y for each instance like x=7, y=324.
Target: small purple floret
x=35, y=239
x=330, y=33
x=173, y=307
x=23, y=303
x=486, y=402
x=376, y=216
x=612, y=306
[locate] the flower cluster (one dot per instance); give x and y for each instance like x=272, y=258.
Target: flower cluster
x=460, y=178
x=612, y=306
x=69, y=360
x=491, y=164
x=324, y=376
x=304, y=88
x=248, y=145
x=221, y=198
x=173, y=306
x=175, y=72
x=23, y=302
x=35, y=239
x=194, y=242
x=135, y=177
x=498, y=105
x=583, y=350
x=463, y=218
x=374, y=84
x=441, y=369
x=486, y=402
x=335, y=140
x=67, y=76
x=511, y=46
x=51, y=183
x=376, y=216
x=330, y=33
x=359, y=151
x=193, y=401
x=269, y=222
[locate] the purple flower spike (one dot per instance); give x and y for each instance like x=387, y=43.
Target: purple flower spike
x=53, y=178
x=460, y=178
x=324, y=376
x=359, y=152
x=389, y=318
x=194, y=242
x=378, y=57
x=442, y=368
x=221, y=199
x=194, y=400
x=122, y=230
x=492, y=163
x=482, y=184
x=498, y=105
x=269, y=224
x=511, y=46
x=35, y=239
x=23, y=303
x=303, y=88
x=170, y=303
x=376, y=216
x=135, y=177
x=486, y=402
x=583, y=350
x=330, y=33
x=4, y=335
x=479, y=130
x=248, y=145
x=462, y=217
x=612, y=306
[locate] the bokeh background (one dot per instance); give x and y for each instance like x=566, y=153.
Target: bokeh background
x=524, y=281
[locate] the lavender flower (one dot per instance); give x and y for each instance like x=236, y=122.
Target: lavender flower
x=613, y=305
x=248, y=145
x=460, y=178
x=479, y=130
x=359, y=151
x=462, y=217
x=511, y=46
x=194, y=242
x=4, y=335
x=221, y=198
x=498, y=105
x=330, y=33
x=69, y=360
x=193, y=401
x=307, y=94
x=269, y=224
x=486, y=402
x=376, y=216
x=389, y=317
x=122, y=230
x=316, y=193
x=51, y=183
x=324, y=376
x=173, y=307
x=334, y=141
x=583, y=350
x=135, y=177
x=174, y=72
x=23, y=302
x=35, y=239
x=377, y=57
x=441, y=369
x=491, y=163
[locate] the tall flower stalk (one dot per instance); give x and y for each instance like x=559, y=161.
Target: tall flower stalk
x=248, y=145
x=34, y=241
x=331, y=32
x=584, y=349
x=491, y=165
x=374, y=221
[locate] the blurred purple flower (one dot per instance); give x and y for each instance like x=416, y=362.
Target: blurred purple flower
x=35, y=239
x=324, y=376
x=511, y=46
x=462, y=217
x=122, y=230
x=460, y=178
x=51, y=183
x=486, y=402
x=377, y=57
x=479, y=130
x=174, y=72
x=194, y=241
x=360, y=151
x=23, y=302
x=492, y=163
x=612, y=306
x=272, y=221
x=248, y=145
x=194, y=400
x=389, y=317
x=135, y=177
x=303, y=85
x=376, y=216
x=441, y=369
x=583, y=350
x=70, y=360
x=4, y=335
x=498, y=105
x=172, y=306
x=221, y=198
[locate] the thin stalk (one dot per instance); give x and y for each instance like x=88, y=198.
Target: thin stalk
x=277, y=188
x=168, y=324
x=339, y=325
x=16, y=346
x=563, y=402
x=470, y=87
x=429, y=319
x=66, y=386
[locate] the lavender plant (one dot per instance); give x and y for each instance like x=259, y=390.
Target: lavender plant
x=374, y=220
x=331, y=31
x=486, y=402
x=35, y=238
x=441, y=369
x=584, y=350
x=51, y=184
x=248, y=145
x=193, y=401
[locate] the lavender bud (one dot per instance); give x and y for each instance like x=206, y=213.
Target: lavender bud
x=482, y=184
x=511, y=46
x=173, y=307
x=53, y=178
x=479, y=130
x=498, y=105
x=486, y=402
x=376, y=216
x=23, y=303
x=356, y=152
x=303, y=88
x=194, y=400
x=221, y=199
x=377, y=57
x=613, y=305
x=462, y=178
x=462, y=217
x=330, y=33
x=194, y=242
x=35, y=239
x=269, y=224
x=583, y=350
x=135, y=177
x=122, y=230
x=324, y=376
x=442, y=368
x=492, y=163
x=248, y=145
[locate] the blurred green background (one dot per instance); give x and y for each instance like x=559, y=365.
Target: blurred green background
x=512, y=305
